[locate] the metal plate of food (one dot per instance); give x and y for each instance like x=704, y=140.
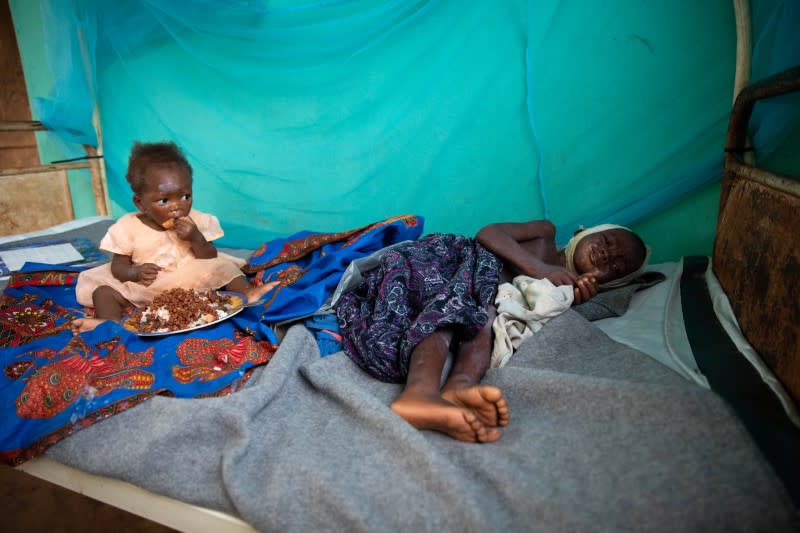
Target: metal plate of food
x=183, y=310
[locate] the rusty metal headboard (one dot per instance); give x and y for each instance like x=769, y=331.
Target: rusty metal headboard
x=757, y=248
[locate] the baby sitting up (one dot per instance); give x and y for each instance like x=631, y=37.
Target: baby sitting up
x=165, y=245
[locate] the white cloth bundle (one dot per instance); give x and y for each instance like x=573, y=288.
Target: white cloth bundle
x=523, y=307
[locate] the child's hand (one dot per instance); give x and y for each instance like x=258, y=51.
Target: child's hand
x=558, y=275
x=145, y=273
x=187, y=229
x=586, y=287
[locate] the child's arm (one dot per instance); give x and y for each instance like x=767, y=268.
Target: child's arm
x=123, y=269
x=503, y=239
x=188, y=231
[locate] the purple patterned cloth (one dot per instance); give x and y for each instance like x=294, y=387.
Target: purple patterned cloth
x=437, y=281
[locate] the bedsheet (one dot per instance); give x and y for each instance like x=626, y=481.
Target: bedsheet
x=602, y=438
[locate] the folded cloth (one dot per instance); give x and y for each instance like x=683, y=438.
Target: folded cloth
x=523, y=307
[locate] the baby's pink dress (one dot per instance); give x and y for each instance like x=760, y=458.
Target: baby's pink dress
x=179, y=267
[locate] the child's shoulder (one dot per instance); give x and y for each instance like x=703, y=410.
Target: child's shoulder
x=197, y=212
x=208, y=224
x=121, y=236
x=202, y=218
x=127, y=220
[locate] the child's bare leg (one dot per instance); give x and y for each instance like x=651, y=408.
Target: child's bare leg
x=108, y=305
x=421, y=403
x=463, y=386
x=252, y=292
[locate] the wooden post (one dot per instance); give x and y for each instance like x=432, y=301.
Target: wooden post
x=101, y=160
x=98, y=167
x=98, y=179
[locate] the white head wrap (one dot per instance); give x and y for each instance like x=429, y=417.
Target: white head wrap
x=569, y=252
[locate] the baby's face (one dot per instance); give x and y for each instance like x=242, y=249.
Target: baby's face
x=608, y=255
x=166, y=195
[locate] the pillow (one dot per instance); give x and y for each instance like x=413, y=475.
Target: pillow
x=615, y=302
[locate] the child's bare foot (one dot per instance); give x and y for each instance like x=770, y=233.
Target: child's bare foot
x=461, y=423
x=82, y=325
x=254, y=293
x=487, y=401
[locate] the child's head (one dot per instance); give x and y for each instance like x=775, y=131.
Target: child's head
x=613, y=254
x=161, y=179
x=146, y=155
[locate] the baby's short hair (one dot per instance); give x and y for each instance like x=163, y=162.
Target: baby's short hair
x=146, y=154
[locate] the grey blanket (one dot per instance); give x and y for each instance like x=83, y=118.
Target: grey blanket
x=602, y=438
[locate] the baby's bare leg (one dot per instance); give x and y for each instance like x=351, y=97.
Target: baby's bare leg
x=463, y=386
x=108, y=305
x=421, y=403
x=252, y=292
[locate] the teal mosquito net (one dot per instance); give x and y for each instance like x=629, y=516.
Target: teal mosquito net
x=333, y=114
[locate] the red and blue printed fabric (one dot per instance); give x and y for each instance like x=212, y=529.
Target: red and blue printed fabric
x=54, y=384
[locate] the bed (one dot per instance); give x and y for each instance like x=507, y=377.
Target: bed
x=679, y=415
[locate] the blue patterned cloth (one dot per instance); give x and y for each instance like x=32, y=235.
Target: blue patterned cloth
x=308, y=265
